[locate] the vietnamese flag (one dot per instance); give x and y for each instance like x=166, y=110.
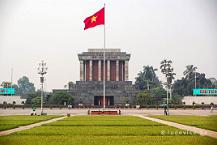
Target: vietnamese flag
x=95, y=19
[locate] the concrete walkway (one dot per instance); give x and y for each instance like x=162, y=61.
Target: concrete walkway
x=202, y=132
x=7, y=132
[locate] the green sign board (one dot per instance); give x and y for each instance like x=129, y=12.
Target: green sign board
x=205, y=91
x=7, y=91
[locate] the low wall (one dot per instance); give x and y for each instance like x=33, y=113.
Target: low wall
x=12, y=100
x=200, y=99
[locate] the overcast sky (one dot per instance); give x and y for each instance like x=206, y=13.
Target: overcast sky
x=184, y=31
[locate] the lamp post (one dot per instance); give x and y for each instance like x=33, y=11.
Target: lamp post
x=42, y=70
x=167, y=69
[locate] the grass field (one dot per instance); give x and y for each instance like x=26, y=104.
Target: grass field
x=9, y=122
x=206, y=122
x=104, y=130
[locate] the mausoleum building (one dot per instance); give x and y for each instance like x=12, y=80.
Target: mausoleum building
x=88, y=91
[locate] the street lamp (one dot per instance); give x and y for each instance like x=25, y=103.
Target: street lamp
x=42, y=70
x=167, y=69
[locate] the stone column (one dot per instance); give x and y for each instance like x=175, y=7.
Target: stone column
x=122, y=71
x=91, y=69
x=81, y=70
x=117, y=70
x=99, y=70
x=126, y=70
x=108, y=70
x=85, y=71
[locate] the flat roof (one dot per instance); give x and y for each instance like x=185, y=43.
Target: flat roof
x=102, y=50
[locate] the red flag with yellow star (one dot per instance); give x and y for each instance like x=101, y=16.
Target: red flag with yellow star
x=95, y=19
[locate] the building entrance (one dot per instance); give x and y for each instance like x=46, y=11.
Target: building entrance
x=98, y=101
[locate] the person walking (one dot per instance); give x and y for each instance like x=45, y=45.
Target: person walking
x=165, y=110
x=211, y=108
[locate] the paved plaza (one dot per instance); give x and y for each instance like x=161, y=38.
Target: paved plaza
x=145, y=112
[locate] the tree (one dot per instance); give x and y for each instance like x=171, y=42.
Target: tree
x=25, y=87
x=214, y=82
x=181, y=87
x=151, y=91
x=184, y=86
x=6, y=84
x=176, y=99
x=16, y=88
x=147, y=78
x=203, y=82
x=190, y=71
x=36, y=101
x=144, y=98
x=61, y=97
x=158, y=93
x=31, y=96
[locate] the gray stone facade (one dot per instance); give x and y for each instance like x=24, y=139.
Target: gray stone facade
x=122, y=91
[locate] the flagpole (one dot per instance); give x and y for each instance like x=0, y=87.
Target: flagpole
x=104, y=64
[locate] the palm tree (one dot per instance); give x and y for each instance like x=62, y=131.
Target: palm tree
x=147, y=78
x=190, y=69
x=149, y=74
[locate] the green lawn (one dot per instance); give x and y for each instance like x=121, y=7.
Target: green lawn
x=8, y=122
x=104, y=130
x=206, y=122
